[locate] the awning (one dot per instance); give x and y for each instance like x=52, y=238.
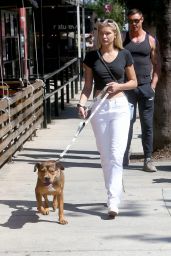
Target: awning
x=19, y=3
x=38, y=3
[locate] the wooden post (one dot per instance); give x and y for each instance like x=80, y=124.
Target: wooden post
x=48, y=102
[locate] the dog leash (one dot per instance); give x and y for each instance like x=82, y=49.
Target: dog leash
x=102, y=96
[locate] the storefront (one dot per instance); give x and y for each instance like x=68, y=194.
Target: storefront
x=39, y=36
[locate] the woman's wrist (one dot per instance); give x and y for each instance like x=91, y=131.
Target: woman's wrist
x=80, y=106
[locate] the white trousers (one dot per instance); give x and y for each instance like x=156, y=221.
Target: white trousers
x=111, y=125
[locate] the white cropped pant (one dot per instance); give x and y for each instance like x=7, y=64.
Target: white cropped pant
x=111, y=125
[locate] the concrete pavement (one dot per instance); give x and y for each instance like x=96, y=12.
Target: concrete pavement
x=142, y=228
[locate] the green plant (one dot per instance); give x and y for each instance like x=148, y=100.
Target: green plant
x=116, y=13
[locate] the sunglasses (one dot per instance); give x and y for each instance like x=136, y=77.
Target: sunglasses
x=105, y=21
x=134, y=21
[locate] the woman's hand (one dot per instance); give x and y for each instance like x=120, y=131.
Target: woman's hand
x=113, y=87
x=82, y=111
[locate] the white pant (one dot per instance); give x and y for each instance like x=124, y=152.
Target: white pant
x=111, y=125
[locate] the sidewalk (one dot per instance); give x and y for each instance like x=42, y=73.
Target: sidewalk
x=142, y=228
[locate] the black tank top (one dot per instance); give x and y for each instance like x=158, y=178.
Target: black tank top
x=141, y=56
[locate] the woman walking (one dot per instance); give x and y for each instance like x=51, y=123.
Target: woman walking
x=111, y=122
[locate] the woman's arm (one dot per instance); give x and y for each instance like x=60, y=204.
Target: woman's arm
x=87, y=89
x=88, y=84
x=131, y=83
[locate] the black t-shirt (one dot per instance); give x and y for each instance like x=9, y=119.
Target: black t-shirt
x=117, y=67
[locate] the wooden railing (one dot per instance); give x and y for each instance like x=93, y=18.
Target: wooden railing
x=25, y=110
x=60, y=86
x=20, y=116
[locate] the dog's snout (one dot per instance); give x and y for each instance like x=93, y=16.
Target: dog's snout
x=47, y=178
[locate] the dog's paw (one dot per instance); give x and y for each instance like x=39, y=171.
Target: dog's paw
x=44, y=211
x=63, y=222
x=55, y=206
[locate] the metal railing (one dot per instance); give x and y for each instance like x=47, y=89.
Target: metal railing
x=60, y=86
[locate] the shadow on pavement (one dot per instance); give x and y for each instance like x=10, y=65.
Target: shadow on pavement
x=162, y=180
x=23, y=212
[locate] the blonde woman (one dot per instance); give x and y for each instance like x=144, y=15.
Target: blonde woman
x=111, y=122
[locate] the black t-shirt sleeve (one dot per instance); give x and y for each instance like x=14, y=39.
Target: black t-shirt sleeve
x=89, y=59
x=129, y=59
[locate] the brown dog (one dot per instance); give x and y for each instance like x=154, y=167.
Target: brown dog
x=50, y=182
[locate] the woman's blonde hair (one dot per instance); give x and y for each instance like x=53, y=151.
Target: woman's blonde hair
x=114, y=26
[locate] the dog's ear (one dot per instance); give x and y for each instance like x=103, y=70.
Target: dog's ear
x=60, y=166
x=36, y=167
